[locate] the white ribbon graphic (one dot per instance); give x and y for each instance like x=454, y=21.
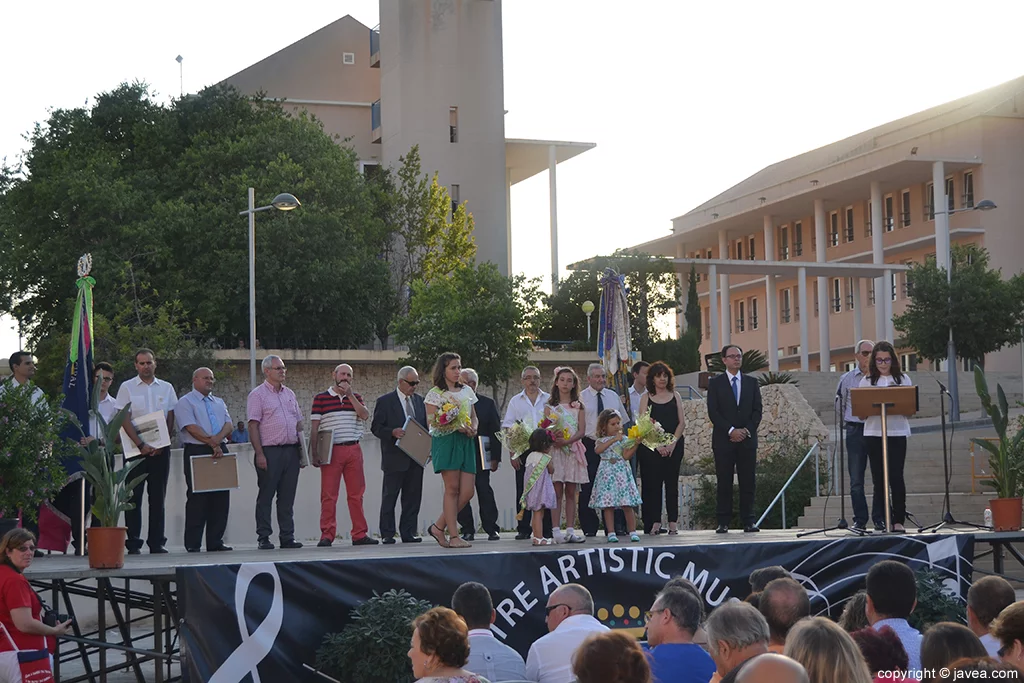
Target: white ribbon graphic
x=247, y=656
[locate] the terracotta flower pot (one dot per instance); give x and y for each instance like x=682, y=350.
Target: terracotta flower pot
x=1006, y=514
x=106, y=547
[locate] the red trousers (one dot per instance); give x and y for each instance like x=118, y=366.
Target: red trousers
x=347, y=462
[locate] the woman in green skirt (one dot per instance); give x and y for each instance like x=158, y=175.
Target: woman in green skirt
x=453, y=424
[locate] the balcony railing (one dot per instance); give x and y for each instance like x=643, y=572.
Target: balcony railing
x=784, y=314
x=375, y=46
x=753, y=322
x=849, y=301
x=375, y=122
x=796, y=314
x=837, y=305
x=908, y=290
x=798, y=249
x=867, y=229
x=739, y=325
x=929, y=210
x=968, y=200
x=889, y=223
x=871, y=297
x=905, y=218
x=784, y=253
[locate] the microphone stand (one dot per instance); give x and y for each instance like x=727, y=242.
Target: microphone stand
x=841, y=523
x=947, y=515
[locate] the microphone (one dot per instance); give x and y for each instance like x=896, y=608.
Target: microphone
x=942, y=388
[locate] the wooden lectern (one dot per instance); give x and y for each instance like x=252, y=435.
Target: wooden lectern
x=867, y=402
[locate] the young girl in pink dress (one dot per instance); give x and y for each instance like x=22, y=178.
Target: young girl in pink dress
x=565, y=410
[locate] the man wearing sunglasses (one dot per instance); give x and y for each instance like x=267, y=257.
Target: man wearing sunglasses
x=401, y=474
x=570, y=618
x=856, y=456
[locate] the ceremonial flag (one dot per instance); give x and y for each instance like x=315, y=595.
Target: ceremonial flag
x=78, y=371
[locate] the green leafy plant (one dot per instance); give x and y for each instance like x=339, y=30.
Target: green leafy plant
x=775, y=378
x=373, y=647
x=1004, y=456
x=753, y=360
x=935, y=602
x=31, y=450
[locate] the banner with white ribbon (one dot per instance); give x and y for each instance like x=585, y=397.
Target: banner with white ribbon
x=260, y=643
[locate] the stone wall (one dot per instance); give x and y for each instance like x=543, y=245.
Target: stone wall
x=785, y=413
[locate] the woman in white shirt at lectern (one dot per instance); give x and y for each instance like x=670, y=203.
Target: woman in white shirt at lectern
x=885, y=371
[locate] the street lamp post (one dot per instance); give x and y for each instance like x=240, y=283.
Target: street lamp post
x=951, y=369
x=282, y=202
x=588, y=308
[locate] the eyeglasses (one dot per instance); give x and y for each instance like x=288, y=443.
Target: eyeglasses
x=551, y=608
x=650, y=613
x=411, y=384
x=282, y=368
x=865, y=353
x=27, y=549
x=106, y=379
x=734, y=356
x=532, y=378
x=883, y=361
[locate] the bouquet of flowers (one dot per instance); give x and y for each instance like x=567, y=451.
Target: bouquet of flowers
x=556, y=429
x=449, y=418
x=515, y=438
x=648, y=432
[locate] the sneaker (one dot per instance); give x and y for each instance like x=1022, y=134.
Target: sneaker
x=571, y=537
x=634, y=537
x=612, y=538
x=558, y=537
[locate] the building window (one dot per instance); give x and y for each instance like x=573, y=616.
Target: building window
x=871, y=292
x=794, y=350
x=708, y=256
x=950, y=204
x=740, y=327
x=867, y=222
x=968, y=199
x=888, y=217
x=814, y=296
x=837, y=295
x=970, y=254
x=453, y=124
x=849, y=292
x=929, y=201
x=892, y=286
x=739, y=250
x=905, y=208
x=833, y=232
x=707, y=323
x=849, y=365
x=455, y=199
x=848, y=228
x=784, y=243
x=908, y=362
x=798, y=238
x=750, y=249
x=781, y=352
x=784, y=310
x=753, y=314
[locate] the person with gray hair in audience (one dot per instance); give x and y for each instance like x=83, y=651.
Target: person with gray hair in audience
x=402, y=475
x=736, y=632
x=488, y=657
x=570, y=617
x=783, y=603
x=986, y=598
x=671, y=624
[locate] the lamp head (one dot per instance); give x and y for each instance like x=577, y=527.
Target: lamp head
x=985, y=205
x=588, y=307
x=285, y=202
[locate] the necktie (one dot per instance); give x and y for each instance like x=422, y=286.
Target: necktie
x=208, y=402
x=600, y=403
x=736, y=389
x=409, y=410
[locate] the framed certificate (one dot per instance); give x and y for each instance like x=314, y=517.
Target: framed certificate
x=214, y=474
x=325, y=445
x=151, y=428
x=416, y=442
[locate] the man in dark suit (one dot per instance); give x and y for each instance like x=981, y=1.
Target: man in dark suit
x=402, y=475
x=490, y=425
x=734, y=407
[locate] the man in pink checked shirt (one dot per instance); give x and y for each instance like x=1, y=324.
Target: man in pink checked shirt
x=275, y=427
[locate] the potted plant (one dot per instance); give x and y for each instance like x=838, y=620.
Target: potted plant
x=1004, y=458
x=111, y=493
x=31, y=451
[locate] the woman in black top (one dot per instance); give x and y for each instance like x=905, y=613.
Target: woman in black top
x=659, y=469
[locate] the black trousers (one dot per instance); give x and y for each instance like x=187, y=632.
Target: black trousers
x=590, y=520
x=743, y=461
x=280, y=479
x=488, y=508
x=204, y=511
x=659, y=476
x=69, y=502
x=408, y=484
x=525, y=527
x=897, y=485
x=156, y=467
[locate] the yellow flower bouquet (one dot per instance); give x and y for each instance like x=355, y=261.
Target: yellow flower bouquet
x=449, y=418
x=648, y=432
x=515, y=438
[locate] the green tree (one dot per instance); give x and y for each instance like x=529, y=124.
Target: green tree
x=692, y=314
x=563, y=317
x=153, y=192
x=984, y=310
x=478, y=313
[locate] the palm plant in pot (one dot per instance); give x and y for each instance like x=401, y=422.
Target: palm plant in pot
x=1004, y=458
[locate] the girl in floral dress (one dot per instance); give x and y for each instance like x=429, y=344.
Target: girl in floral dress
x=565, y=411
x=614, y=486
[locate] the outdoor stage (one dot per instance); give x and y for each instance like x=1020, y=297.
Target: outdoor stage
x=236, y=610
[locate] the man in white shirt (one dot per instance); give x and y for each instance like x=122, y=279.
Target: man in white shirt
x=147, y=394
x=638, y=388
x=892, y=597
x=856, y=456
x=987, y=597
x=23, y=368
x=570, y=617
x=107, y=408
x=527, y=407
x=488, y=657
x=596, y=398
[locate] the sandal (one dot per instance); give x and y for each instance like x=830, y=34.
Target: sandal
x=672, y=529
x=458, y=543
x=655, y=529
x=542, y=541
x=442, y=541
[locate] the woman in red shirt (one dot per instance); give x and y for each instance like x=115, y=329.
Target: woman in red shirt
x=20, y=608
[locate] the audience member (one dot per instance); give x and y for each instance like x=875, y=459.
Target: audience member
x=987, y=597
x=488, y=657
x=783, y=602
x=827, y=652
x=981, y=667
x=945, y=643
x=1008, y=627
x=892, y=596
x=883, y=652
x=754, y=600
x=671, y=623
x=736, y=632
x=440, y=648
x=610, y=657
x=759, y=578
x=772, y=668
x=854, y=617
x=570, y=617
x=699, y=637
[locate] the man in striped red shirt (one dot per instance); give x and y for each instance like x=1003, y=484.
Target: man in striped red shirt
x=341, y=410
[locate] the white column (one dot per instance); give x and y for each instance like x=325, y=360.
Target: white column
x=858, y=320
x=713, y=303
x=801, y=279
x=878, y=257
x=508, y=216
x=770, y=299
x=684, y=287
x=890, y=330
x=824, y=293
x=723, y=288
x=553, y=204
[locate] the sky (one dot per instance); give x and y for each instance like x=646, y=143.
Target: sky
x=684, y=99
